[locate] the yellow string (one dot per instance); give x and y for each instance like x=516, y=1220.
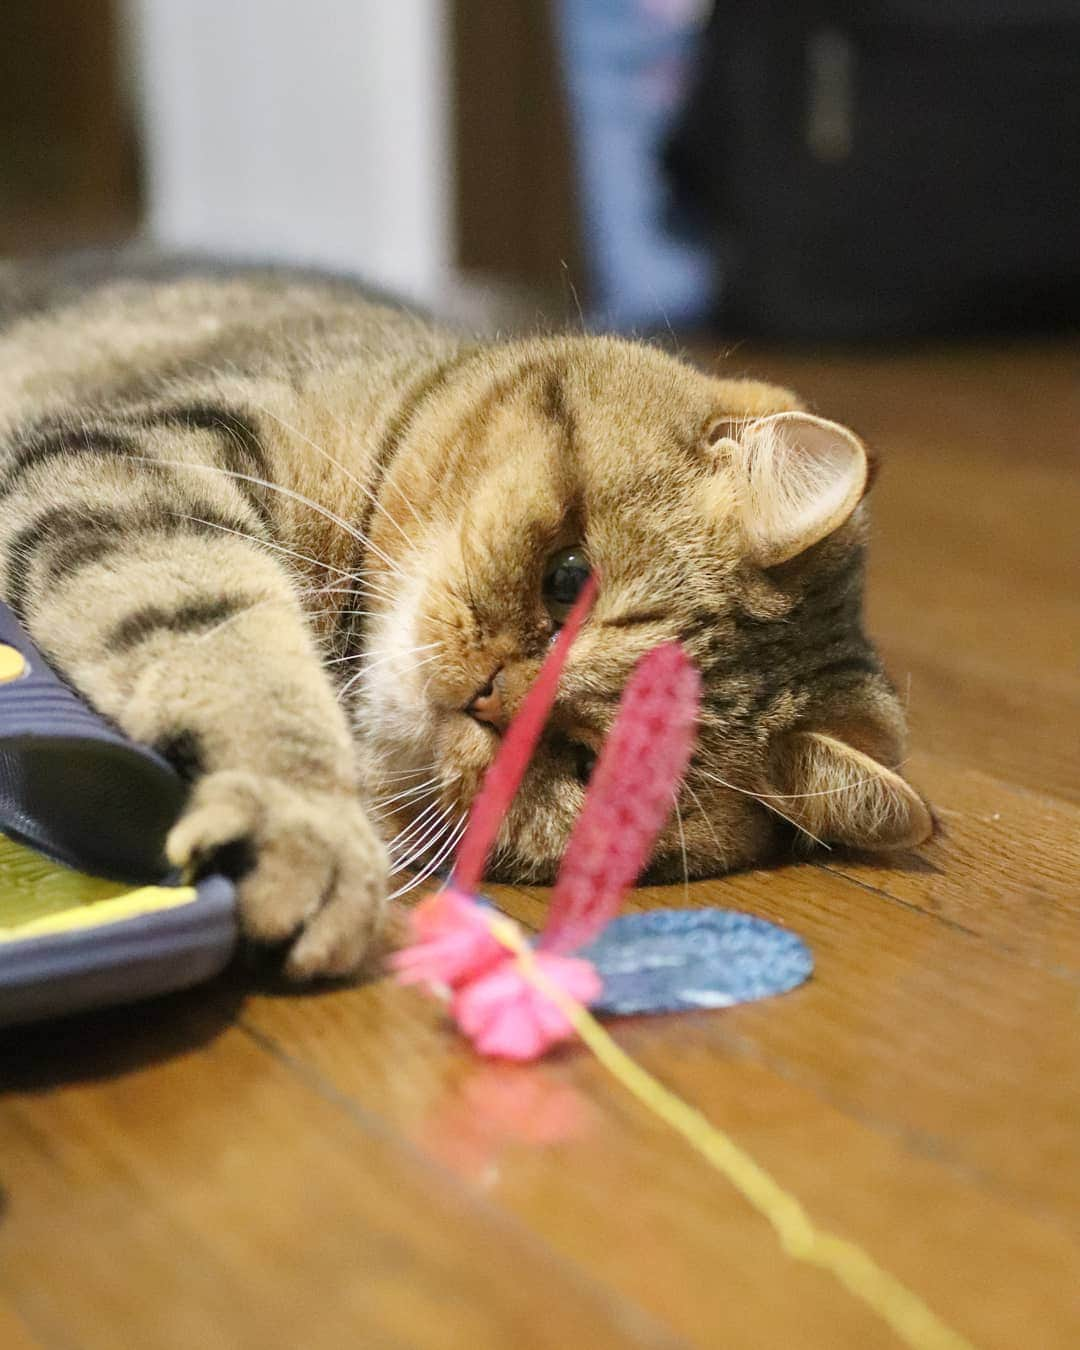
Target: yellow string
x=897, y=1305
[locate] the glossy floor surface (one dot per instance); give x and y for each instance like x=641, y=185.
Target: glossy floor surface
x=235, y=1168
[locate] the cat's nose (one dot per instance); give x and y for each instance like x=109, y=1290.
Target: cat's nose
x=487, y=704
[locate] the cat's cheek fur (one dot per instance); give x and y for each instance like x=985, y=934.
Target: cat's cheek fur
x=392, y=712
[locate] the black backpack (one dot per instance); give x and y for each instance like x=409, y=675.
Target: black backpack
x=890, y=167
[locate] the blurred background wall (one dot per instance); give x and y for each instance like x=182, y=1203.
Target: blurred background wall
x=316, y=131
x=433, y=146
x=68, y=163
x=416, y=142
x=829, y=169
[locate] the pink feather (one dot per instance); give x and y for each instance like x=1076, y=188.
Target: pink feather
x=630, y=797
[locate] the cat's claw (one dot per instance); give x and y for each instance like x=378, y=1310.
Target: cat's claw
x=316, y=874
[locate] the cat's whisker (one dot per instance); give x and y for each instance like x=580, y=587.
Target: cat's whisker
x=685, y=863
x=290, y=493
x=433, y=777
x=426, y=685
x=829, y=792
x=573, y=291
x=422, y=844
x=434, y=784
x=410, y=840
x=382, y=816
x=264, y=543
x=445, y=851
x=405, y=501
x=821, y=792
x=372, y=665
x=366, y=670
x=388, y=656
x=305, y=592
x=769, y=805
x=421, y=821
x=235, y=618
x=401, y=773
x=705, y=817
x=371, y=496
x=390, y=806
x=377, y=588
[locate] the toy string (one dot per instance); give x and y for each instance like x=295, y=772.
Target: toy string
x=898, y=1306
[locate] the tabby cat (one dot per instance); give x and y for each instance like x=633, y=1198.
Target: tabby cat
x=314, y=549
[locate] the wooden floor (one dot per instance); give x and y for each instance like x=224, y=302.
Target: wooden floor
x=236, y=1168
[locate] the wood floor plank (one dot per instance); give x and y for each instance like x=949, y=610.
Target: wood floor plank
x=1019, y=727
x=232, y=1168
x=916, y=1026
x=14, y=1333
x=561, y=1147
x=1004, y=865
x=217, y=1199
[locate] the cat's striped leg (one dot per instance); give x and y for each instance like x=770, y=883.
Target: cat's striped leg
x=192, y=638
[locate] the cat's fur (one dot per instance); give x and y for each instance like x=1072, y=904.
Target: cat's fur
x=308, y=651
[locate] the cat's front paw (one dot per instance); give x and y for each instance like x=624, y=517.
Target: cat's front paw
x=311, y=870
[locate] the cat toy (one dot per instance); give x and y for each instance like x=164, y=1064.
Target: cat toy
x=665, y=960
x=514, y=999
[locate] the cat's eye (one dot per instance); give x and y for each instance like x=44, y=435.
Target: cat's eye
x=574, y=758
x=565, y=574
x=583, y=761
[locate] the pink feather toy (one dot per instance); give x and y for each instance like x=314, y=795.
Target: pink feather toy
x=631, y=793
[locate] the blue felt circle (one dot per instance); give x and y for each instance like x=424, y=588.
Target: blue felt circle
x=674, y=960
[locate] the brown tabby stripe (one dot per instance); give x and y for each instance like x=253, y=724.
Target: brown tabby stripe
x=413, y=400
x=184, y=751
x=475, y=421
x=637, y=616
x=241, y=446
x=557, y=409
x=862, y=662
x=186, y=618
x=77, y=536
x=62, y=442
x=350, y=627
x=553, y=395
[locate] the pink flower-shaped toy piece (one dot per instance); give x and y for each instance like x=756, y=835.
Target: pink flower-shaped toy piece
x=507, y=1017
x=452, y=942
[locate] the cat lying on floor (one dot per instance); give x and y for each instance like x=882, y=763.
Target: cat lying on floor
x=314, y=549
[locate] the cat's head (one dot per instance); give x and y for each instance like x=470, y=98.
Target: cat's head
x=714, y=511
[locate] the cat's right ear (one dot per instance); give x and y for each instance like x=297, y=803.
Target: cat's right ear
x=839, y=794
x=797, y=479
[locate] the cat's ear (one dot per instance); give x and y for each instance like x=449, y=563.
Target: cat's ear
x=798, y=478
x=838, y=794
